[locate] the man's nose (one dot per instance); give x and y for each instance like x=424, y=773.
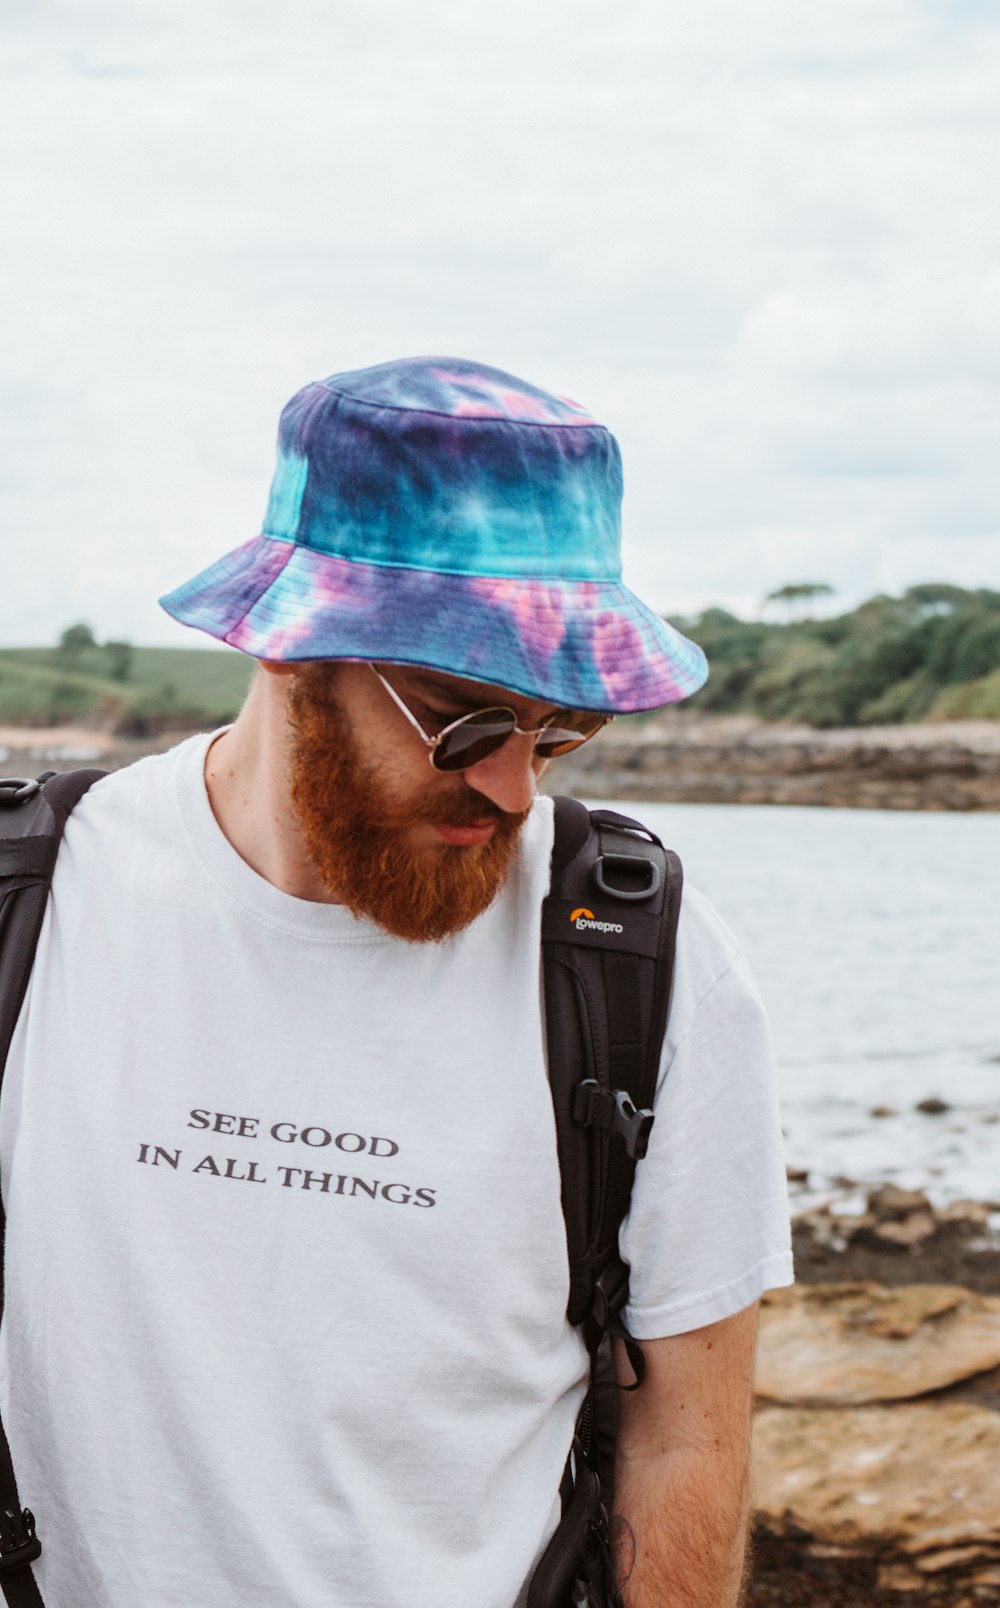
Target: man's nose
x=508, y=777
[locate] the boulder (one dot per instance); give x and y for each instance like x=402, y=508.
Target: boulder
x=915, y=1486
x=849, y=1344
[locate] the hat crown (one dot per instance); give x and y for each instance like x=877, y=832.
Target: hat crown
x=448, y=466
x=456, y=388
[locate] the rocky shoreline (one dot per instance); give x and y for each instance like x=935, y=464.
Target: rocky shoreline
x=683, y=757
x=877, y=1435
x=678, y=756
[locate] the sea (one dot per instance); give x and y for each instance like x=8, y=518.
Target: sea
x=874, y=936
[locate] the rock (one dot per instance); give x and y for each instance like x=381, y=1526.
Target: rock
x=916, y=1485
x=797, y=1175
x=971, y=1214
x=959, y=1244
x=848, y=1344
x=889, y=1202
x=883, y=1111
x=907, y=1234
x=933, y=1106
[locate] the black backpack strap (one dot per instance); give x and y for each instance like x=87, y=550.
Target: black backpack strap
x=32, y=817
x=609, y=931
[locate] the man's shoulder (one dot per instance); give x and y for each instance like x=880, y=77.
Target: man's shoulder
x=705, y=941
x=127, y=812
x=712, y=977
x=145, y=780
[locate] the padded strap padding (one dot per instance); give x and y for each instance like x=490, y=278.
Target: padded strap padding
x=609, y=928
x=31, y=829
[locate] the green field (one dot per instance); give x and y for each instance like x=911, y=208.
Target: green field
x=165, y=688
x=931, y=654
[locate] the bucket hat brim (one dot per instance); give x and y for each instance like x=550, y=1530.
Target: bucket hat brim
x=584, y=644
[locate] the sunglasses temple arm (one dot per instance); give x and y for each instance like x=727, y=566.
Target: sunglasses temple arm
x=431, y=742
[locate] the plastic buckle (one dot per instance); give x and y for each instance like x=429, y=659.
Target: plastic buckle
x=613, y=1111
x=631, y=1124
x=19, y=1545
x=610, y=1294
x=15, y=789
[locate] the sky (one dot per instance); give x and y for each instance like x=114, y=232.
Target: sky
x=759, y=239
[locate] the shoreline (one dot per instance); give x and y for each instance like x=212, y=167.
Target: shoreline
x=679, y=756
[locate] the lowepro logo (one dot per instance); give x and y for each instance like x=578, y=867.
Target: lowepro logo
x=585, y=921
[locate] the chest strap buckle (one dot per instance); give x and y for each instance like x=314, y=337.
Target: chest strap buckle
x=19, y=1545
x=613, y=1111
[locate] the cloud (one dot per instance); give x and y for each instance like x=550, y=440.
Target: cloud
x=758, y=239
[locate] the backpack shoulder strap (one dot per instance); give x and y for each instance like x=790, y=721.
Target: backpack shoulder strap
x=609, y=930
x=32, y=817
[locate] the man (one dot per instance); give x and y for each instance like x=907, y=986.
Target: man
x=286, y=1265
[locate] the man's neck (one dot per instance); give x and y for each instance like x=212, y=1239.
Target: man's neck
x=248, y=785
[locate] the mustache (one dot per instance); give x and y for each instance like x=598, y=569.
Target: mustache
x=459, y=808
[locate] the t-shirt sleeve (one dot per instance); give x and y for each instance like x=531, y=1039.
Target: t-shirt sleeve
x=708, y=1230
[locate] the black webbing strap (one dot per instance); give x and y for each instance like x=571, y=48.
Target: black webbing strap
x=32, y=818
x=609, y=928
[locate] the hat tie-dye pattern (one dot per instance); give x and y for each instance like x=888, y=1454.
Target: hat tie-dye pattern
x=434, y=511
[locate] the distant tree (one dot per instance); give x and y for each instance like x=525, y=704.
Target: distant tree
x=797, y=597
x=937, y=595
x=75, y=640
x=120, y=655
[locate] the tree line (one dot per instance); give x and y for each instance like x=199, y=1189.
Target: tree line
x=933, y=653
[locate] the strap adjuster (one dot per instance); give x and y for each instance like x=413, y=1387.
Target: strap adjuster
x=613, y=1111
x=610, y=1293
x=19, y=1545
x=15, y=789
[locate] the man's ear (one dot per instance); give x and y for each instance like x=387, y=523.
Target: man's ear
x=278, y=667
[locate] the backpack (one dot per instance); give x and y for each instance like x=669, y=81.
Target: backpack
x=609, y=927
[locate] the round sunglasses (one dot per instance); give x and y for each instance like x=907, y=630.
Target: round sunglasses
x=471, y=738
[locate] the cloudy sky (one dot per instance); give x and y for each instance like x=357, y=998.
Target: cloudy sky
x=759, y=238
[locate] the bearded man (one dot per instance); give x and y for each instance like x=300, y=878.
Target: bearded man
x=286, y=1263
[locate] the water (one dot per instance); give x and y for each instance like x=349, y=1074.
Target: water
x=874, y=936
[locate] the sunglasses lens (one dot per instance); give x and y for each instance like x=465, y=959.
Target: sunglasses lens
x=473, y=739
x=561, y=737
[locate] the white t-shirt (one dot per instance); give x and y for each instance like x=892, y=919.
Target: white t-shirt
x=286, y=1265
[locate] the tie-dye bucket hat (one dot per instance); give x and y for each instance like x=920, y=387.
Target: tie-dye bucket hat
x=436, y=512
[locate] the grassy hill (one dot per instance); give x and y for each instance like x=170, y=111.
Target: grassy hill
x=931, y=654
x=164, y=688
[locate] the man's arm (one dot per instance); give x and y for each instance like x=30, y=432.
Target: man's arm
x=682, y=1482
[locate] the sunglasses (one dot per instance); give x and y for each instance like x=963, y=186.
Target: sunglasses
x=471, y=738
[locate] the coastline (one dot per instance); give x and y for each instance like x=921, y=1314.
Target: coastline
x=681, y=757
x=678, y=756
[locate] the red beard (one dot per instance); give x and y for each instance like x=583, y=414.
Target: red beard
x=355, y=830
